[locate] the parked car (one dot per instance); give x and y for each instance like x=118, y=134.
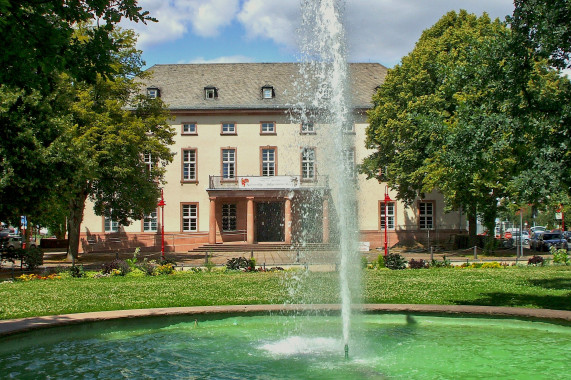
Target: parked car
x=534, y=239
x=567, y=236
x=11, y=243
x=551, y=239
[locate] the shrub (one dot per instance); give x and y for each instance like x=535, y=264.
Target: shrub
x=116, y=267
x=535, y=260
x=493, y=264
x=420, y=264
x=364, y=262
x=31, y=258
x=164, y=269
x=77, y=271
x=168, y=260
x=147, y=267
x=136, y=273
x=381, y=261
x=395, y=261
x=445, y=263
x=560, y=256
x=237, y=263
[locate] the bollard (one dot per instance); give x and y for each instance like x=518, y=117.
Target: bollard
x=431, y=254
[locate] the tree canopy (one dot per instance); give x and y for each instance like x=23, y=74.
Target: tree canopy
x=455, y=115
x=40, y=50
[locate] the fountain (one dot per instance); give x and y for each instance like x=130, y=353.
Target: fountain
x=300, y=345
x=324, y=98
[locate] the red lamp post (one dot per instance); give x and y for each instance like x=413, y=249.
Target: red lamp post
x=387, y=200
x=162, y=204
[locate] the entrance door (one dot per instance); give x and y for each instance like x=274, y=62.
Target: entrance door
x=270, y=222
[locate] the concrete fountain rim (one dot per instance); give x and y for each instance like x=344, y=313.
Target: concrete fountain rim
x=14, y=326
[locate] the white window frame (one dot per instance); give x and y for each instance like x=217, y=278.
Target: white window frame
x=148, y=159
x=210, y=93
x=307, y=127
x=190, y=217
x=267, y=92
x=308, y=164
x=151, y=222
x=228, y=163
x=269, y=162
x=110, y=225
x=267, y=127
x=189, y=164
x=189, y=129
x=152, y=93
x=391, y=211
x=228, y=128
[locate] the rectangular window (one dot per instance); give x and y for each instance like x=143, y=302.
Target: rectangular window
x=268, y=162
x=189, y=164
x=307, y=127
x=390, y=208
x=426, y=215
x=111, y=225
x=151, y=222
x=152, y=93
x=267, y=92
x=349, y=128
x=267, y=127
x=228, y=217
x=189, y=129
x=348, y=156
x=228, y=129
x=210, y=93
x=228, y=164
x=189, y=217
x=308, y=164
x=148, y=159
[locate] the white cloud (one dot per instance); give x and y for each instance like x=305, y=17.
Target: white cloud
x=226, y=59
x=206, y=18
x=276, y=20
x=386, y=30
x=377, y=30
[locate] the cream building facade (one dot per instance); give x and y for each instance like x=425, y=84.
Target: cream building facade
x=244, y=168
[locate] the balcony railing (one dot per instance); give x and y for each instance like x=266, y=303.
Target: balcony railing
x=266, y=183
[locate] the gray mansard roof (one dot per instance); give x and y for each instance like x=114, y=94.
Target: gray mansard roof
x=239, y=85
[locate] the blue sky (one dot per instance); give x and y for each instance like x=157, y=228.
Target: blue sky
x=202, y=31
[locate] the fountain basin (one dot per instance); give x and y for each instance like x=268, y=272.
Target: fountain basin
x=292, y=344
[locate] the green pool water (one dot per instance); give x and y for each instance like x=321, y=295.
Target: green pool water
x=382, y=346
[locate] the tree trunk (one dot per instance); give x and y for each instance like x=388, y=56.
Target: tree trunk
x=472, y=227
x=76, y=207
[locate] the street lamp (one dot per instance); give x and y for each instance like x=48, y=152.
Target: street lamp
x=162, y=204
x=387, y=200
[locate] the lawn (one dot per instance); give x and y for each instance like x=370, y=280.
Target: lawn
x=532, y=287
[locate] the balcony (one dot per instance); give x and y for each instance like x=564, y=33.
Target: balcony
x=283, y=182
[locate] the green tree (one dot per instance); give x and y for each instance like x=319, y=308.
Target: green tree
x=456, y=116
x=101, y=154
x=38, y=44
x=544, y=27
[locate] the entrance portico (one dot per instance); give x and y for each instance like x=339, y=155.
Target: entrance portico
x=263, y=209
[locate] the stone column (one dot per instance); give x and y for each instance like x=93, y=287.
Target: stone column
x=287, y=221
x=250, y=221
x=325, y=220
x=212, y=222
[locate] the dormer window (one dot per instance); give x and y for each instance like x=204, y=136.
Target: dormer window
x=153, y=92
x=268, y=92
x=210, y=92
